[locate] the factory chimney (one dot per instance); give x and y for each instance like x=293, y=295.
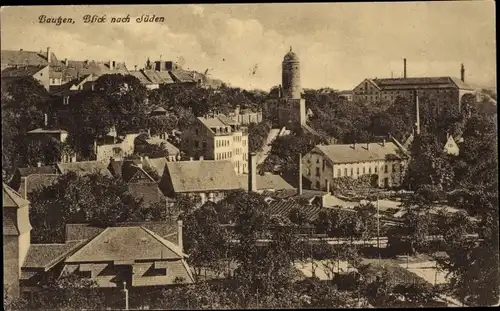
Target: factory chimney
x=417, y=124
x=48, y=55
x=252, y=172
x=300, y=175
x=462, y=73
x=404, y=68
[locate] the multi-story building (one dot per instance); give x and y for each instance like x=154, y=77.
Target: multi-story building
x=324, y=163
x=39, y=73
x=217, y=138
x=441, y=90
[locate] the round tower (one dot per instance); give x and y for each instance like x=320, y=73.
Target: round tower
x=291, y=76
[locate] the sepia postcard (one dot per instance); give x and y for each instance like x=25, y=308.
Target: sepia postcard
x=250, y=156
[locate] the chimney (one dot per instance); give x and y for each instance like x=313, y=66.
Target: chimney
x=179, y=234
x=114, y=65
x=39, y=164
x=367, y=146
x=45, y=120
x=418, y=115
x=110, y=65
x=201, y=158
x=328, y=186
x=354, y=145
x=404, y=69
x=48, y=54
x=190, y=158
x=462, y=73
x=300, y=174
x=135, y=67
x=383, y=143
x=252, y=172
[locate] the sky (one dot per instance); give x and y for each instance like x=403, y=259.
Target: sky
x=338, y=44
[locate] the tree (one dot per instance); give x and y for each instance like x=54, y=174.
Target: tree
x=162, y=124
x=257, y=135
x=80, y=199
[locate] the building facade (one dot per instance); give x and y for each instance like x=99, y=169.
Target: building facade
x=217, y=138
x=384, y=160
x=441, y=90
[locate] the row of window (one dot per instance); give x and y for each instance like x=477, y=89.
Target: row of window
x=222, y=143
x=237, y=138
x=224, y=155
x=350, y=172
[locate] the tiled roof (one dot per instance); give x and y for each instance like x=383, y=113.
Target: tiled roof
x=266, y=181
x=181, y=76
x=212, y=122
x=141, y=76
x=85, y=167
x=157, y=164
x=47, y=255
x=283, y=208
x=12, y=199
x=149, y=192
x=48, y=169
x=166, y=229
x=126, y=243
x=10, y=57
x=171, y=149
x=226, y=120
x=9, y=224
x=37, y=181
x=96, y=69
x=429, y=82
x=18, y=72
x=158, y=77
x=206, y=175
x=360, y=152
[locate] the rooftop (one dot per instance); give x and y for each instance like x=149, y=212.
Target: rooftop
x=266, y=182
x=84, y=167
x=353, y=153
x=45, y=256
x=206, y=175
x=21, y=71
x=47, y=131
x=440, y=82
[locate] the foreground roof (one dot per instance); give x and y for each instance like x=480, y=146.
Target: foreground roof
x=45, y=256
x=126, y=244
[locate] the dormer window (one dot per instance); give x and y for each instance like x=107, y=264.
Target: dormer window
x=66, y=100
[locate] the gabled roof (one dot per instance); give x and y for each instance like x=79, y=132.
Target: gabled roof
x=21, y=71
x=45, y=256
x=12, y=199
x=11, y=57
x=148, y=191
x=126, y=244
x=181, y=76
x=360, y=152
x=158, y=77
x=206, y=175
x=266, y=182
x=47, y=169
x=85, y=167
x=157, y=164
x=171, y=149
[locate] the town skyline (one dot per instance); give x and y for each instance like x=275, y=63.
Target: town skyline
x=243, y=45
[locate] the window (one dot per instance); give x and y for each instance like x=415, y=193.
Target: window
x=352, y=171
x=357, y=170
x=386, y=169
x=339, y=173
x=364, y=170
x=317, y=184
x=317, y=171
x=197, y=131
x=345, y=171
x=324, y=162
x=375, y=169
x=394, y=167
x=317, y=161
x=369, y=170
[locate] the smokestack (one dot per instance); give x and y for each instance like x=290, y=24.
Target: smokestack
x=252, y=172
x=300, y=174
x=179, y=235
x=418, y=115
x=45, y=120
x=462, y=73
x=48, y=54
x=404, y=69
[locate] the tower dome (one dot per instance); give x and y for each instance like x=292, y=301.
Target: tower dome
x=291, y=76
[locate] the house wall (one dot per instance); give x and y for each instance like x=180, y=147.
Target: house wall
x=43, y=77
x=366, y=91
